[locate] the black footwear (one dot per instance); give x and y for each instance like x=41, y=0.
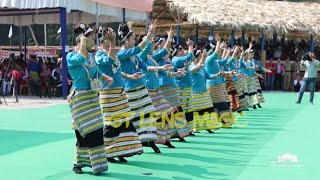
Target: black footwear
x=122, y=159
x=168, y=143
x=254, y=107
x=112, y=160
x=77, y=170
x=209, y=131
x=259, y=106
x=298, y=102
x=191, y=134
x=182, y=140
x=154, y=147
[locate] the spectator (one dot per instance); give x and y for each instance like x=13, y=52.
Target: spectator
x=295, y=68
x=297, y=83
x=279, y=75
x=271, y=76
x=6, y=82
x=287, y=74
x=277, y=53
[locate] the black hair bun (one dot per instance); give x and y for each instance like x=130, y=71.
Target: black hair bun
x=78, y=30
x=123, y=30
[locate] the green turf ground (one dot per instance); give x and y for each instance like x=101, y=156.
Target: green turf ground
x=39, y=144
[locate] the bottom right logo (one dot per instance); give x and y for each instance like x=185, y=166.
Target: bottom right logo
x=287, y=160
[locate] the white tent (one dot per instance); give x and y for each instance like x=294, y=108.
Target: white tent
x=47, y=12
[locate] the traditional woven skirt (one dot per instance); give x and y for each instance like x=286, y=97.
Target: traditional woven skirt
x=120, y=136
x=88, y=123
x=252, y=87
x=244, y=105
x=204, y=117
x=185, y=95
x=165, y=110
x=141, y=107
x=259, y=91
x=232, y=94
x=86, y=112
x=217, y=95
x=180, y=128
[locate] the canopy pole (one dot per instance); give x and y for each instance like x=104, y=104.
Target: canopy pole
x=197, y=35
x=63, y=22
x=178, y=34
x=25, y=43
x=45, y=41
x=243, y=39
x=211, y=34
x=232, y=38
x=262, y=41
x=97, y=23
x=275, y=38
x=123, y=15
x=311, y=43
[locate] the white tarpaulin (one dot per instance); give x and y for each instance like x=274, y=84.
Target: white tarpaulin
x=87, y=15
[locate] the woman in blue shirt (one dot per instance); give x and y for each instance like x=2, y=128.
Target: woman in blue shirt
x=120, y=136
x=168, y=89
x=239, y=79
x=230, y=82
x=258, y=66
x=139, y=99
x=163, y=107
x=180, y=62
x=84, y=104
x=204, y=117
x=216, y=87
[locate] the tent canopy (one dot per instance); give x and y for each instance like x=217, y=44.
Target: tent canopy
x=26, y=12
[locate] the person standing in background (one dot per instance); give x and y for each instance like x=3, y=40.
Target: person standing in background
x=311, y=64
x=279, y=75
x=295, y=68
x=287, y=74
x=271, y=76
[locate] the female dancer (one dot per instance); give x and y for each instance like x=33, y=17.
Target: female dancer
x=84, y=104
x=203, y=116
x=180, y=62
x=239, y=79
x=139, y=99
x=120, y=137
x=168, y=89
x=163, y=107
x=216, y=87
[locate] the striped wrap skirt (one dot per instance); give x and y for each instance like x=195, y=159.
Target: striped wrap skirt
x=244, y=105
x=185, y=95
x=180, y=128
x=87, y=122
x=217, y=95
x=232, y=94
x=142, y=110
x=120, y=136
x=86, y=112
x=204, y=117
x=165, y=110
x=252, y=88
x=259, y=91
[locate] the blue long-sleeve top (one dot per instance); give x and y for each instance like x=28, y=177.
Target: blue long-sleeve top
x=233, y=67
x=212, y=67
x=151, y=78
x=198, y=80
x=244, y=68
x=76, y=62
x=110, y=67
x=179, y=63
x=131, y=63
x=164, y=79
x=33, y=66
x=255, y=62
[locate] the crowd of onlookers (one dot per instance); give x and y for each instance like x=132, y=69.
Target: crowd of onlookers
x=34, y=76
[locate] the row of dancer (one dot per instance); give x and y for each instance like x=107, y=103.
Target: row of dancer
x=151, y=92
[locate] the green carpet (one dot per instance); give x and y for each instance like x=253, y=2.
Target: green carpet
x=39, y=144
